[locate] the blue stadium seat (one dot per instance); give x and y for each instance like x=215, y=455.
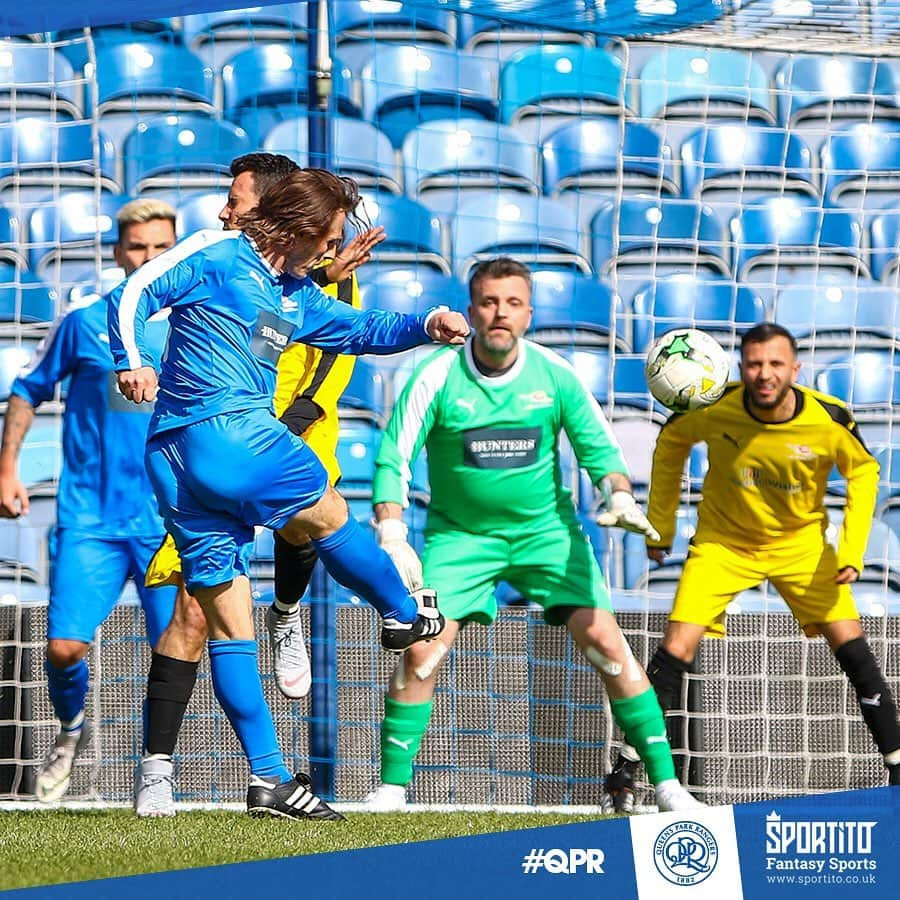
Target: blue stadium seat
x=27, y=301
x=215, y=36
x=692, y=82
x=65, y=233
x=643, y=233
x=200, y=211
x=744, y=158
x=414, y=234
x=884, y=242
x=795, y=230
x=445, y=162
x=359, y=150
x=410, y=291
x=884, y=20
x=500, y=27
x=71, y=43
x=869, y=382
x=269, y=83
x=546, y=86
x=640, y=573
x=183, y=152
x=862, y=314
x=844, y=19
x=404, y=86
x=834, y=88
x=571, y=310
x=36, y=78
x=626, y=389
x=14, y=356
x=38, y=155
x=12, y=240
x=362, y=20
x=88, y=286
x=357, y=448
x=604, y=157
x=861, y=164
x=137, y=79
x=536, y=230
x=715, y=305
x=363, y=398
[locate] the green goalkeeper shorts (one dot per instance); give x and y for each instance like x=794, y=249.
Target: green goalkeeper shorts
x=553, y=568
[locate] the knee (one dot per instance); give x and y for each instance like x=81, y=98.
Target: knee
x=63, y=653
x=190, y=622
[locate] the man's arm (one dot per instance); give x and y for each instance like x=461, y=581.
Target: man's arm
x=13, y=494
x=673, y=446
x=338, y=328
x=55, y=358
x=410, y=423
x=861, y=470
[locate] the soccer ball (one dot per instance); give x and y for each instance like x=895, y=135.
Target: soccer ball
x=686, y=369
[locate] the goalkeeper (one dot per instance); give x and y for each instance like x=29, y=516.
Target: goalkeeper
x=490, y=415
x=772, y=445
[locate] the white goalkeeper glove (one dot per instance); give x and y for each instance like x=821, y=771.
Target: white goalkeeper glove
x=622, y=511
x=391, y=535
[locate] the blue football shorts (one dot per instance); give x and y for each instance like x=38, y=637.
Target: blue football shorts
x=218, y=478
x=87, y=574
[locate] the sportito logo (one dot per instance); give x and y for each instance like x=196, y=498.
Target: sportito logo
x=685, y=853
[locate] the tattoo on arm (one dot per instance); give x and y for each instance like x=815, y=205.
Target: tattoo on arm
x=19, y=416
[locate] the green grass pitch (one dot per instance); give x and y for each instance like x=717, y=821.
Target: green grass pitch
x=53, y=846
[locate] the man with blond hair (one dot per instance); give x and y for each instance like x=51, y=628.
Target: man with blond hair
x=107, y=522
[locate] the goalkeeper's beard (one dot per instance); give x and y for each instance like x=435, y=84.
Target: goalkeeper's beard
x=499, y=346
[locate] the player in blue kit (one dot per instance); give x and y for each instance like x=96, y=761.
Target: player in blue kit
x=219, y=460
x=108, y=526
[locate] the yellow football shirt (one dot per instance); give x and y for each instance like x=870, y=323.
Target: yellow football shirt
x=766, y=482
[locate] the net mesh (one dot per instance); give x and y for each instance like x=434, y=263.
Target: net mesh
x=632, y=173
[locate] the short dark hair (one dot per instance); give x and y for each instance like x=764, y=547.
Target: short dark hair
x=300, y=207
x=765, y=331
x=498, y=267
x=267, y=169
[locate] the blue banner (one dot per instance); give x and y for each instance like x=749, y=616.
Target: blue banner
x=834, y=845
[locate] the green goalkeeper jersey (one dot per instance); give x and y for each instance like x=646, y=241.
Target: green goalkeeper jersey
x=493, y=442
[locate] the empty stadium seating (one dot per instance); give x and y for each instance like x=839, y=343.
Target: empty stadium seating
x=715, y=305
x=404, y=86
x=445, y=162
x=269, y=83
x=544, y=87
x=183, y=152
x=537, y=230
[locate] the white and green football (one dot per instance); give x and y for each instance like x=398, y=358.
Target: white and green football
x=686, y=369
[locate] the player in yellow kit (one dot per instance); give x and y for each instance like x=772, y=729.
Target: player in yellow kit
x=771, y=444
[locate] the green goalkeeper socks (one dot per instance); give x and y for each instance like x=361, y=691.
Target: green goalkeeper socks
x=641, y=720
x=401, y=734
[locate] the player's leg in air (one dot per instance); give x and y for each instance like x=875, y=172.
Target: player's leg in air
x=280, y=484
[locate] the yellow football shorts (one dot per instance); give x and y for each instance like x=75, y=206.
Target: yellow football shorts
x=165, y=567
x=803, y=573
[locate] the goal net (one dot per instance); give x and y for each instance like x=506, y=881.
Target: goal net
x=656, y=167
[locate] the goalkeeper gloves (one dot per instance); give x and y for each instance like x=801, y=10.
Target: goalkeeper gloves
x=391, y=536
x=622, y=511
